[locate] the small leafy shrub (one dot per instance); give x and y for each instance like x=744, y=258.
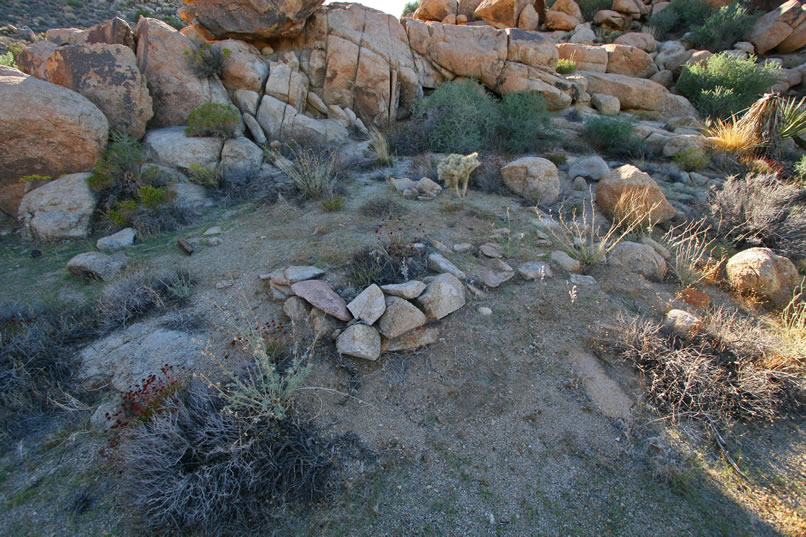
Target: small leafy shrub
x=410, y=8
x=557, y=158
x=408, y=138
x=719, y=374
x=722, y=28
x=725, y=84
x=800, y=167
x=213, y=119
x=760, y=210
x=565, y=66
x=591, y=7
x=8, y=59
x=313, y=170
x=208, y=61
x=692, y=159
x=152, y=197
x=208, y=176
x=487, y=177
x=609, y=134
x=123, y=213
x=119, y=174
x=333, y=204
x=521, y=122
x=680, y=15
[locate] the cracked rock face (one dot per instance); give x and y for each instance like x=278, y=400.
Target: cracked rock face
x=253, y=19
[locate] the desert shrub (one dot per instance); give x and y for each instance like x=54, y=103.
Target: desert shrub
x=119, y=174
x=313, y=170
x=521, y=123
x=487, y=177
x=410, y=8
x=454, y=171
x=333, y=204
x=722, y=28
x=8, y=59
x=725, y=84
x=408, y=138
x=35, y=178
x=680, y=15
x=458, y=117
x=394, y=259
x=382, y=207
x=609, y=134
x=691, y=248
x=151, y=197
x=721, y=373
x=199, y=468
x=760, y=210
x=590, y=7
x=213, y=119
x=208, y=61
x=584, y=238
x=566, y=67
x=800, y=167
x=692, y=159
x=201, y=174
x=122, y=214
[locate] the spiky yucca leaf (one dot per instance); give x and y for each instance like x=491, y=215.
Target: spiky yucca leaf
x=794, y=118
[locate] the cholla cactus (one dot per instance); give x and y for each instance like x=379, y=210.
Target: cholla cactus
x=454, y=170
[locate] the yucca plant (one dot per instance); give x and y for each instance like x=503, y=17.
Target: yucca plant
x=794, y=118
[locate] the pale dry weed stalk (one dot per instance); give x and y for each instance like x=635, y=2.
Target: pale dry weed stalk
x=691, y=251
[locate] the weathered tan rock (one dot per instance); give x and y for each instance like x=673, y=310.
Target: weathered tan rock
x=612, y=20
x=369, y=305
x=108, y=76
x=516, y=78
x=33, y=60
x=629, y=60
x=587, y=57
x=409, y=290
x=413, y=339
x=59, y=209
x=244, y=67
x=638, y=258
x=240, y=160
x=322, y=296
x=672, y=56
x=633, y=93
x=775, y=27
x=637, y=188
x=534, y=178
x=761, y=272
x=628, y=7
x=115, y=31
x=400, y=317
x=673, y=106
x=529, y=19
x=45, y=129
x=532, y=49
x=162, y=56
x=501, y=13
x=607, y=105
x=117, y=241
x=171, y=147
x=360, y=341
x=469, y=51
x=682, y=323
x=642, y=40
x=569, y=7
x=443, y=296
x=280, y=120
x=468, y=8
x=97, y=266
x=557, y=20
x=250, y=19
x=435, y=10
x=796, y=40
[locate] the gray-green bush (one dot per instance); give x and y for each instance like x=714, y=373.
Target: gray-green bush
x=725, y=84
x=722, y=28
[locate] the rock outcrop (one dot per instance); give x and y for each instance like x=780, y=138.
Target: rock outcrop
x=250, y=19
x=59, y=209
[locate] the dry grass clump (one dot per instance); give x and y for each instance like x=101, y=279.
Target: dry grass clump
x=584, y=238
x=731, y=136
x=692, y=253
x=313, y=170
x=730, y=370
x=761, y=210
x=380, y=145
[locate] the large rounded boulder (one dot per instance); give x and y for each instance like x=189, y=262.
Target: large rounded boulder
x=534, y=178
x=250, y=19
x=46, y=130
x=628, y=188
x=760, y=272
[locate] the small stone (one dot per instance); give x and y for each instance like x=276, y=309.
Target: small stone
x=360, y=341
x=462, y=247
x=565, y=261
x=295, y=274
x=213, y=241
x=117, y=241
x=403, y=184
x=321, y=295
x=438, y=263
x=695, y=297
x=413, y=339
x=484, y=310
x=682, y=323
x=296, y=309
x=97, y=266
x=442, y=297
x=534, y=271
x=224, y=284
x=215, y=230
x=409, y=290
x=579, y=184
x=495, y=273
x=427, y=187
x=322, y=323
x=581, y=279
x=490, y=250
x=369, y=305
x=400, y=317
